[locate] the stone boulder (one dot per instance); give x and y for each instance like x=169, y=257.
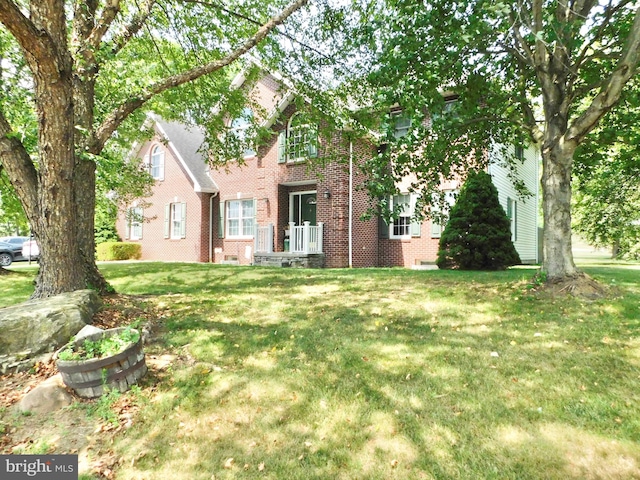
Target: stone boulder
x=49, y=396
x=37, y=327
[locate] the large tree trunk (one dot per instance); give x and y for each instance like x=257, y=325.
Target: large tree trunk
x=55, y=226
x=55, y=230
x=556, y=205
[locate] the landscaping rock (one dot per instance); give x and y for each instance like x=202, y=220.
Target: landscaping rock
x=87, y=330
x=40, y=326
x=49, y=396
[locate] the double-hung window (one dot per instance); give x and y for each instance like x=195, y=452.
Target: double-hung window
x=156, y=163
x=175, y=220
x=240, y=218
x=401, y=123
x=401, y=226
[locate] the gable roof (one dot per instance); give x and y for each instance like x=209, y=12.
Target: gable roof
x=185, y=141
x=283, y=102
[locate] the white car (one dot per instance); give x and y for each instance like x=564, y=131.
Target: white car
x=30, y=250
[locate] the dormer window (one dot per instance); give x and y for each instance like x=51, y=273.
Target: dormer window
x=156, y=163
x=298, y=142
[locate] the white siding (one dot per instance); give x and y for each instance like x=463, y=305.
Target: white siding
x=526, y=242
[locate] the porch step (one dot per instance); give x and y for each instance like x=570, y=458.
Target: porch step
x=286, y=260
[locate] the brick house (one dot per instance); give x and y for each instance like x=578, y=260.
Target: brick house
x=275, y=210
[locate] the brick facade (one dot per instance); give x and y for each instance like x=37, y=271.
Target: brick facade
x=176, y=187
x=270, y=184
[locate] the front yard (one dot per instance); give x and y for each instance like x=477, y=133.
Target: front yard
x=373, y=374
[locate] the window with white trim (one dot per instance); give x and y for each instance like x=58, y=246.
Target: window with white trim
x=240, y=129
x=298, y=142
x=156, y=163
x=449, y=110
x=240, y=218
x=400, y=227
x=175, y=220
x=401, y=123
x=134, y=219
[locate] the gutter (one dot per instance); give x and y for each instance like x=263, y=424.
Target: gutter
x=350, y=203
x=215, y=194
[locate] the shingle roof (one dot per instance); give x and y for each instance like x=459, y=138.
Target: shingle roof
x=186, y=142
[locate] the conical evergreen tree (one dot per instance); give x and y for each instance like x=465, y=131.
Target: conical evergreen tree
x=478, y=233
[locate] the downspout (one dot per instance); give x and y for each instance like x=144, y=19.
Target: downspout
x=350, y=203
x=211, y=226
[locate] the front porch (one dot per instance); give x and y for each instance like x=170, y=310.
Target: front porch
x=302, y=246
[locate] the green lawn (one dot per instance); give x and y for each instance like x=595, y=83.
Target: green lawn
x=381, y=373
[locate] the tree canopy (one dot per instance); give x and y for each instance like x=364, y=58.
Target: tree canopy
x=607, y=200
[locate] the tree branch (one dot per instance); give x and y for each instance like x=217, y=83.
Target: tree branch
x=610, y=92
x=19, y=167
x=109, y=13
x=586, y=47
x=115, y=119
x=256, y=22
x=136, y=24
x=32, y=40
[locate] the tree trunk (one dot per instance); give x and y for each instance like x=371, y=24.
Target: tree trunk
x=56, y=226
x=615, y=249
x=85, y=207
x=558, y=261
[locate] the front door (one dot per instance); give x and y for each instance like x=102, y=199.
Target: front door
x=303, y=208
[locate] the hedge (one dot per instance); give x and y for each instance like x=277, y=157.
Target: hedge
x=118, y=251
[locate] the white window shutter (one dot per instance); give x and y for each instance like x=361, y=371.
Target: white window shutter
x=415, y=229
x=436, y=229
x=183, y=223
x=127, y=224
x=313, y=141
x=221, y=220
x=282, y=146
x=167, y=220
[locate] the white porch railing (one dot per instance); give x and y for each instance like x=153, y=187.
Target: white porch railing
x=264, y=239
x=305, y=238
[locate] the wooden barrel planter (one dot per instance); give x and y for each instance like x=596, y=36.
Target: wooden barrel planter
x=90, y=378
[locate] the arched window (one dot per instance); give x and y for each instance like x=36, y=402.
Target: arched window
x=156, y=164
x=299, y=142
x=240, y=129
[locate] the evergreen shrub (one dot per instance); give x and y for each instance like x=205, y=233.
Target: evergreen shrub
x=478, y=233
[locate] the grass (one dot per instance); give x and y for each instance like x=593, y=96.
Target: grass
x=383, y=373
